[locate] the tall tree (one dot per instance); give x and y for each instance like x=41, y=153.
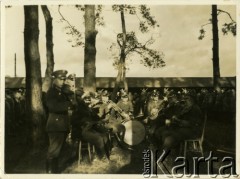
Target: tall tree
x=35, y=115
x=92, y=17
x=216, y=68
x=90, y=49
x=227, y=27
x=128, y=44
x=49, y=47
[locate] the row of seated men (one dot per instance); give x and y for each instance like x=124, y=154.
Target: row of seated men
x=96, y=117
x=170, y=119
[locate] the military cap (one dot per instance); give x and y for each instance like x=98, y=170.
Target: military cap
x=155, y=93
x=94, y=95
x=171, y=94
x=190, y=96
x=18, y=90
x=62, y=74
x=123, y=94
x=105, y=93
x=72, y=76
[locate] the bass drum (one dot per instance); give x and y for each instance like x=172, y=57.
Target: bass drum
x=135, y=132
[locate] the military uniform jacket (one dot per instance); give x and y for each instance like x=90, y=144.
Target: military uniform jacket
x=57, y=104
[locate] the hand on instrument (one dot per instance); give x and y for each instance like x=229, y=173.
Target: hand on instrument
x=126, y=116
x=145, y=121
x=154, y=111
x=110, y=105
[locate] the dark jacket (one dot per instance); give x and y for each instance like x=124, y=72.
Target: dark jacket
x=58, y=105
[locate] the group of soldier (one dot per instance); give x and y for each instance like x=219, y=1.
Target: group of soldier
x=87, y=116
x=170, y=116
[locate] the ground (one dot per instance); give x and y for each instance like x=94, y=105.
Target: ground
x=220, y=138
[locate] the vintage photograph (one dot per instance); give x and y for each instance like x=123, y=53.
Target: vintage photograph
x=147, y=89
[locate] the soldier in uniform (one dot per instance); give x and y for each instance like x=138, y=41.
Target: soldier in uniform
x=85, y=119
x=57, y=126
x=108, y=115
x=182, y=121
x=154, y=107
x=126, y=106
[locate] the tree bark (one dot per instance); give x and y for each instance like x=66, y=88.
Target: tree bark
x=216, y=68
x=35, y=115
x=121, y=77
x=90, y=49
x=49, y=46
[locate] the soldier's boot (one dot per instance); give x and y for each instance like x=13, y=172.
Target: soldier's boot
x=49, y=166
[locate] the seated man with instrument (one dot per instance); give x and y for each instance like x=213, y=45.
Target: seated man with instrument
x=154, y=108
x=125, y=107
x=91, y=128
x=182, y=121
x=107, y=115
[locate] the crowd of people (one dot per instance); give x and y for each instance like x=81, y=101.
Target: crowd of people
x=169, y=115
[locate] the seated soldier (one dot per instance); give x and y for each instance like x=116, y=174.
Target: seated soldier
x=154, y=106
x=182, y=121
x=126, y=107
x=105, y=114
x=91, y=128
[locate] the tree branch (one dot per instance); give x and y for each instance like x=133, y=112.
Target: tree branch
x=229, y=15
x=64, y=18
x=205, y=24
x=140, y=46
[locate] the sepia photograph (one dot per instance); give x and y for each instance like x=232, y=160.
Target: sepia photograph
x=144, y=89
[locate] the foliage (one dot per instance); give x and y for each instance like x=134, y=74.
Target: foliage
x=98, y=16
x=229, y=27
x=76, y=36
x=202, y=34
x=147, y=20
x=226, y=27
x=148, y=57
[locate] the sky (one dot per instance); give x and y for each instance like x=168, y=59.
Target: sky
x=177, y=38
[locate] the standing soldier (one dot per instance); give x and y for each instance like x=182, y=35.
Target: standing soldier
x=57, y=127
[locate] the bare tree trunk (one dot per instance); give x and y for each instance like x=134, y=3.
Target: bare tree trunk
x=34, y=106
x=216, y=68
x=121, y=77
x=90, y=49
x=49, y=46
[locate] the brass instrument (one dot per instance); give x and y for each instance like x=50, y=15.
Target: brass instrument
x=124, y=115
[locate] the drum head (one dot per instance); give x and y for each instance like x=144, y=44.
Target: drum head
x=135, y=132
